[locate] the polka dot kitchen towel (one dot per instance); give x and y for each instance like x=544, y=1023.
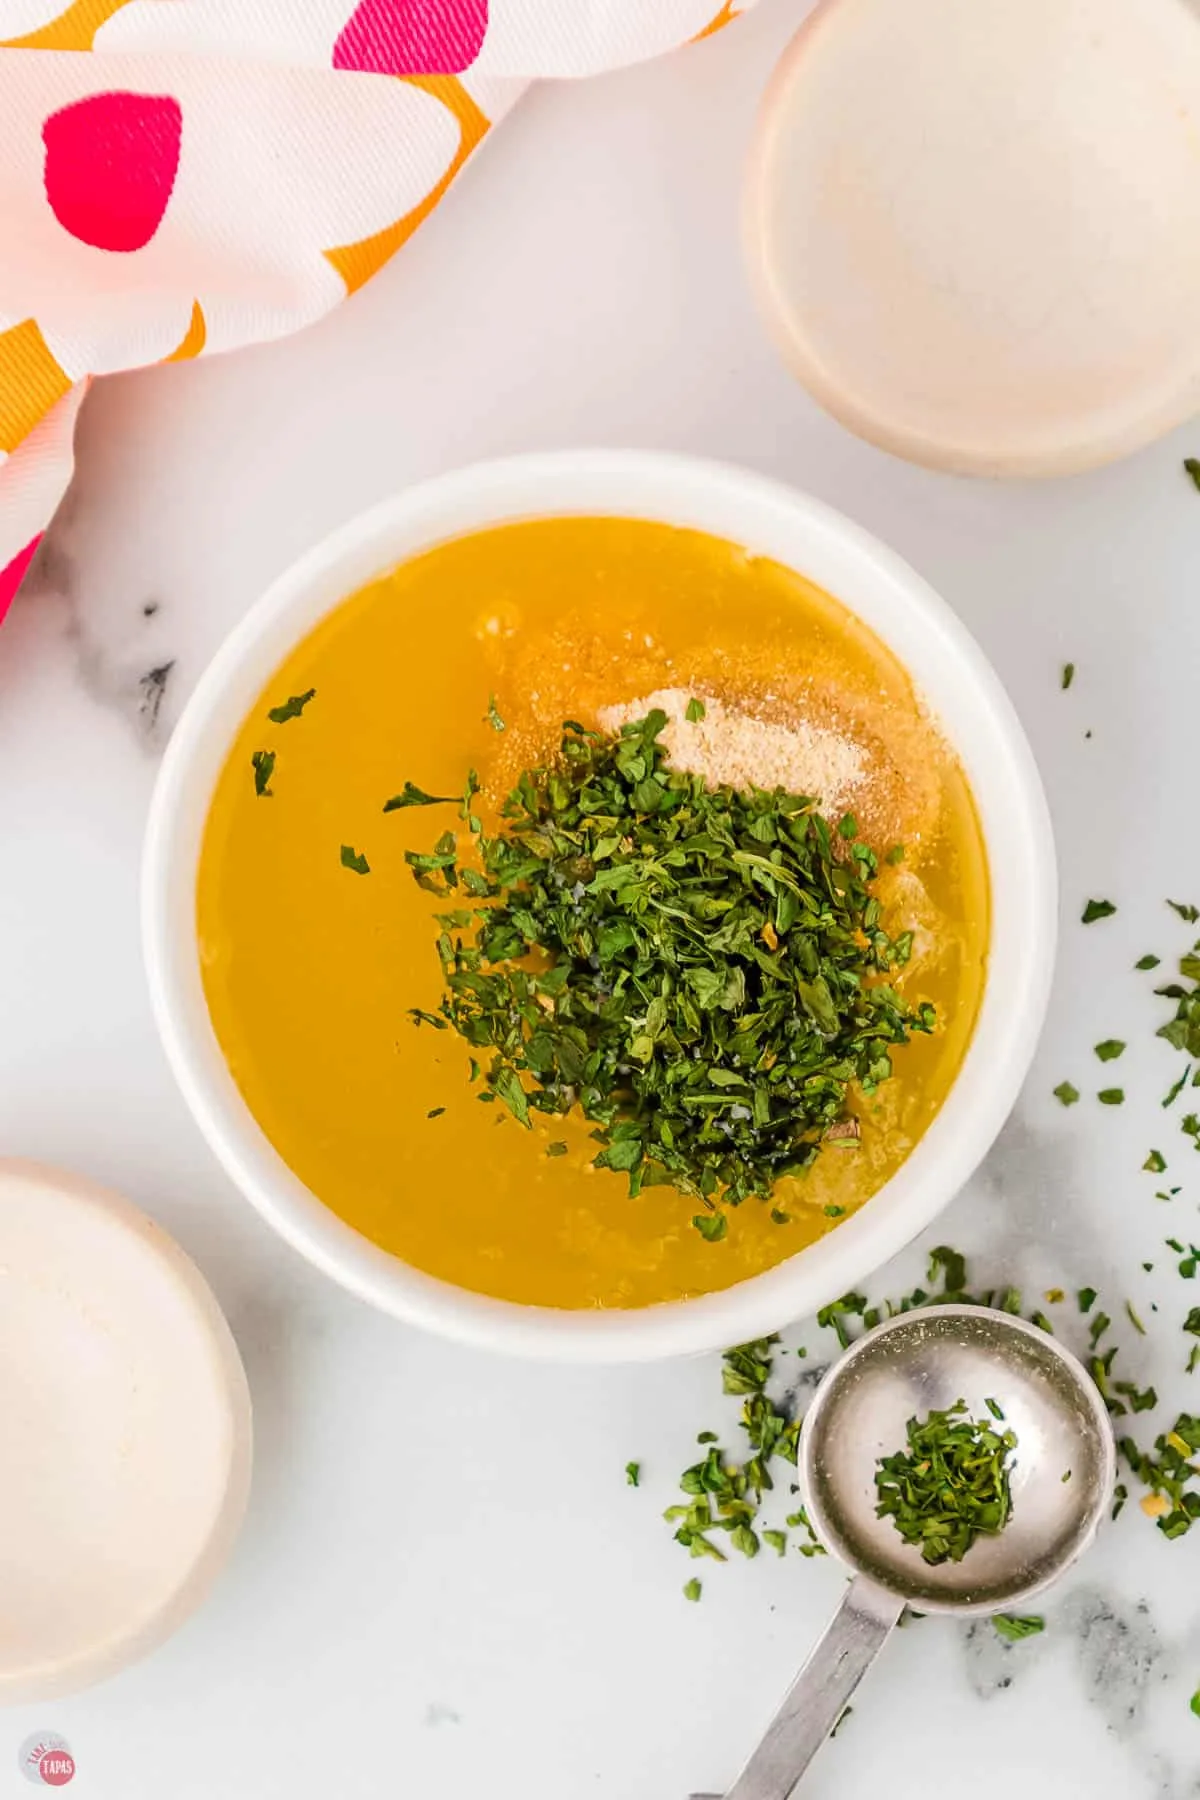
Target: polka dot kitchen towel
x=179, y=177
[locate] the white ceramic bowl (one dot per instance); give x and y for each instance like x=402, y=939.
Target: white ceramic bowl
x=125, y=1417
x=949, y=670
x=974, y=231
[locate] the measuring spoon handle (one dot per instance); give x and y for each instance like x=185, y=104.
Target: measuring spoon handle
x=814, y=1703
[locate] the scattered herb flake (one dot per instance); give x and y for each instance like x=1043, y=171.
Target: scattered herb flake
x=291, y=708
x=1111, y=1096
x=1065, y=1094
x=1192, y=467
x=1013, y=1627
x=411, y=795
x=1099, y=1326
x=895, y=855
x=263, y=764
x=557, y=1148
x=435, y=1112
x=354, y=859
x=747, y=1368
x=1156, y=1162
x=1086, y=1298
x=692, y=1589
x=493, y=715
x=1068, y=675
x=1131, y=1315
x=695, y=711
x=833, y=1317
x=1168, y=1472
x=1189, y=914
x=744, y=1540
x=1097, y=909
x=1109, y=1049
x=777, y=1540
x=1173, y=1093
x=712, y=1226
x=633, y=1474
x=1147, y=962
x=950, y=1264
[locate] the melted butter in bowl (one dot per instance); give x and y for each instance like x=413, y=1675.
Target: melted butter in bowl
x=283, y=980
x=310, y=970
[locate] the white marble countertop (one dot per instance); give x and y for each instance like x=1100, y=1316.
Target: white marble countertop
x=445, y=1587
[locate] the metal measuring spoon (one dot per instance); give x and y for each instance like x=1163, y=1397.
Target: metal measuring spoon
x=1061, y=1478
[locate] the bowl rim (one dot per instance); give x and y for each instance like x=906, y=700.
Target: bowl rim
x=1071, y=448
x=178, y=1274
x=761, y=514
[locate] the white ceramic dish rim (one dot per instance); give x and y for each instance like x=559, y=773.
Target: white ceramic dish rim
x=71, y=1674
x=948, y=668
x=1041, y=453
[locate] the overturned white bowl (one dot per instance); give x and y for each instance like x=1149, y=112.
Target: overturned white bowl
x=125, y=1417
x=974, y=231
x=948, y=669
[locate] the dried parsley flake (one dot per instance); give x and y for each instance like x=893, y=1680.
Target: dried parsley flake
x=263, y=764
x=710, y=986
x=950, y=1487
x=291, y=708
x=1013, y=1627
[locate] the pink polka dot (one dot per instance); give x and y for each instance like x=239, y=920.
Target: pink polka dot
x=13, y=575
x=412, y=37
x=111, y=162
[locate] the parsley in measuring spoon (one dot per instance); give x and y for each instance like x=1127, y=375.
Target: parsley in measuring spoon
x=950, y=1486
